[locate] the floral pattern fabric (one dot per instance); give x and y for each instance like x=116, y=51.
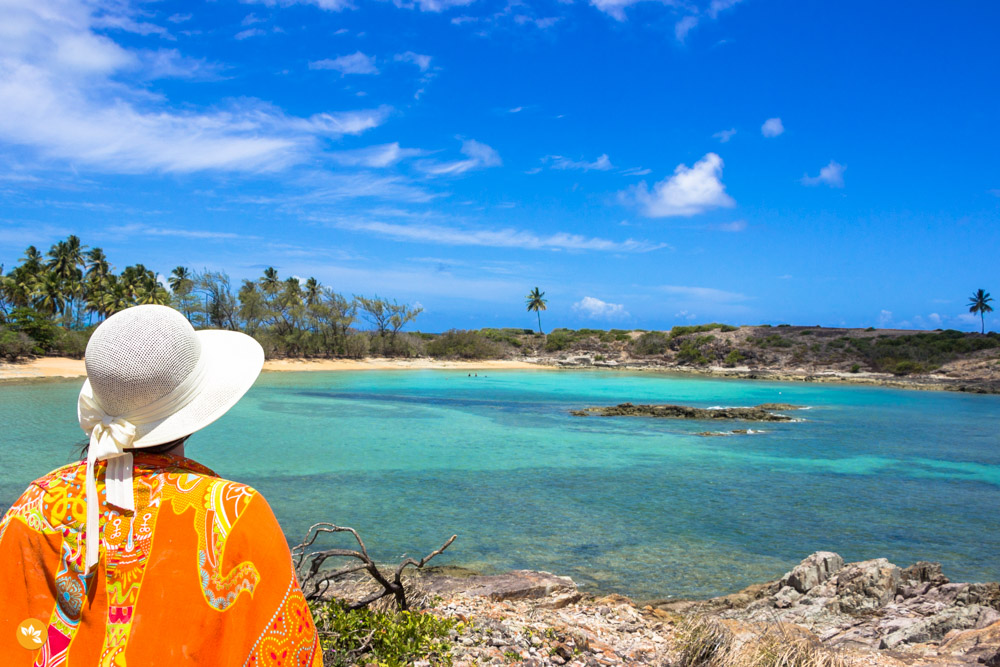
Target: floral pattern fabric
x=198, y=574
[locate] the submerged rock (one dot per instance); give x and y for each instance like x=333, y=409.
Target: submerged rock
x=760, y=413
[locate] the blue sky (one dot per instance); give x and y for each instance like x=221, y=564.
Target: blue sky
x=644, y=163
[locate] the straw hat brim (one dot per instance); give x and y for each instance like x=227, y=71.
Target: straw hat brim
x=233, y=362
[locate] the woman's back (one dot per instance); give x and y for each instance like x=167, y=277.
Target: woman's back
x=199, y=573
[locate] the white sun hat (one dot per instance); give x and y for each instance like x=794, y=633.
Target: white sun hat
x=152, y=379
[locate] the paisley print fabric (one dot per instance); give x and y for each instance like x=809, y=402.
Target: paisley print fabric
x=198, y=574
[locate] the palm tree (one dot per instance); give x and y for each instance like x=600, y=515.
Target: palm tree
x=97, y=265
x=313, y=289
x=180, y=280
x=979, y=302
x=536, y=302
x=49, y=296
x=270, y=280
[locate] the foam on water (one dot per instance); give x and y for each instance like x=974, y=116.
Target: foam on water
x=639, y=506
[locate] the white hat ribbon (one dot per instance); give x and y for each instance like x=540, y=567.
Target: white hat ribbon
x=111, y=440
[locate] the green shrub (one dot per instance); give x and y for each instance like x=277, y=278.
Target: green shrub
x=383, y=638
x=806, y=332
x=774, y=340
x=784, y=325
x=15, y=344
x=457, y=344
x=690, y=353
x=700, y=328
x=651, y=343
x=734, y=357
x=35, y=326
x=907, y=367
x=70, y=343
x=855, y=368
x=559, y=339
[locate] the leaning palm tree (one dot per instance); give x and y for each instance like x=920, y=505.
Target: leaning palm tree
x=979, y=302
x=536, y=302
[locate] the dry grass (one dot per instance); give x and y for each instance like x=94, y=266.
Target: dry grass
x=707, y=642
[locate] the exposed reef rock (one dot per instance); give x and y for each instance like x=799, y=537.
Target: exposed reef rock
x=759, y=413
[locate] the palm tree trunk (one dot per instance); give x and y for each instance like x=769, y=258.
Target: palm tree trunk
x=539, y=313
x=982, y=318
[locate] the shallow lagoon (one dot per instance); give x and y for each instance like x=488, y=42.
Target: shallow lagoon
x=637, y=506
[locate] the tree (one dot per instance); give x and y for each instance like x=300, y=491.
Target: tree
x=536, y=302
x=979, y=302
x=270, y=281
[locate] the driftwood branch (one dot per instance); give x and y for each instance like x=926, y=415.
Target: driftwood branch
x=316, y=581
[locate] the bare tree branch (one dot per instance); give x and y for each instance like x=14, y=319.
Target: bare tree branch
x=316, y=582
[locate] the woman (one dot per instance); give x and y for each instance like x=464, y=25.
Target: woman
x=138, y=555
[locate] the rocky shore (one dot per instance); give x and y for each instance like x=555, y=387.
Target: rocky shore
x=824, y=610
x=759, y=413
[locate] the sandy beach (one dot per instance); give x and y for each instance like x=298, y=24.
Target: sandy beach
x=63, y=367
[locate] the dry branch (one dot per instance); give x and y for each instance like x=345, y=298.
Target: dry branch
x=316, y=581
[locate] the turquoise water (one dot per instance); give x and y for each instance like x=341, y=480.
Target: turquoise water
x=641, y=507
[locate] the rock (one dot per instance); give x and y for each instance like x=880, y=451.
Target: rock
x=934, y=628
x=514, y=585
x=867, y=586
x=924, y=572
x=982, y=645
x=813, y=571
x=759, y=413
x=560, y=601
x=786, y=597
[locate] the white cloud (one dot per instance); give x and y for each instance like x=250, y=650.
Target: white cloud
x=422, y=62
x=703, y=294
x=595, y=308
x=146, y=230
x=772, y=127
x=724, y=135
x=884, y=318
x=495, y=238
x=431, y=5
x=478, y=154
x=66, y=96
x=832, y=175
x=384, y=155
x=602, y=163
x=248, y=33
x=684, y=26
x=688, y=192
x=614, y=8
x=352, y=63
x=718, y=6
x=328, y=5
x=734, y=226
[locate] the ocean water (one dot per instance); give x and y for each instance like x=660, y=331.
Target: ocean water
x=636, y=506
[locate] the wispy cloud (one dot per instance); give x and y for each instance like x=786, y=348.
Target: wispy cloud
x=384, y=155
x=772, y=127
x=734, y=226
x=199, y=234
x=602, y=163
x=64, y=97
x=422, y=62
x=352, y=63
x=248, y=33
x=495, y=238
x=690, y=191
x=478, y=156
x=597, y=309
x=831, y=175
x=703, y=294
x=724, y=135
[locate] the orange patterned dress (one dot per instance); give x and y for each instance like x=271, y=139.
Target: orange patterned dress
x=199, y=574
